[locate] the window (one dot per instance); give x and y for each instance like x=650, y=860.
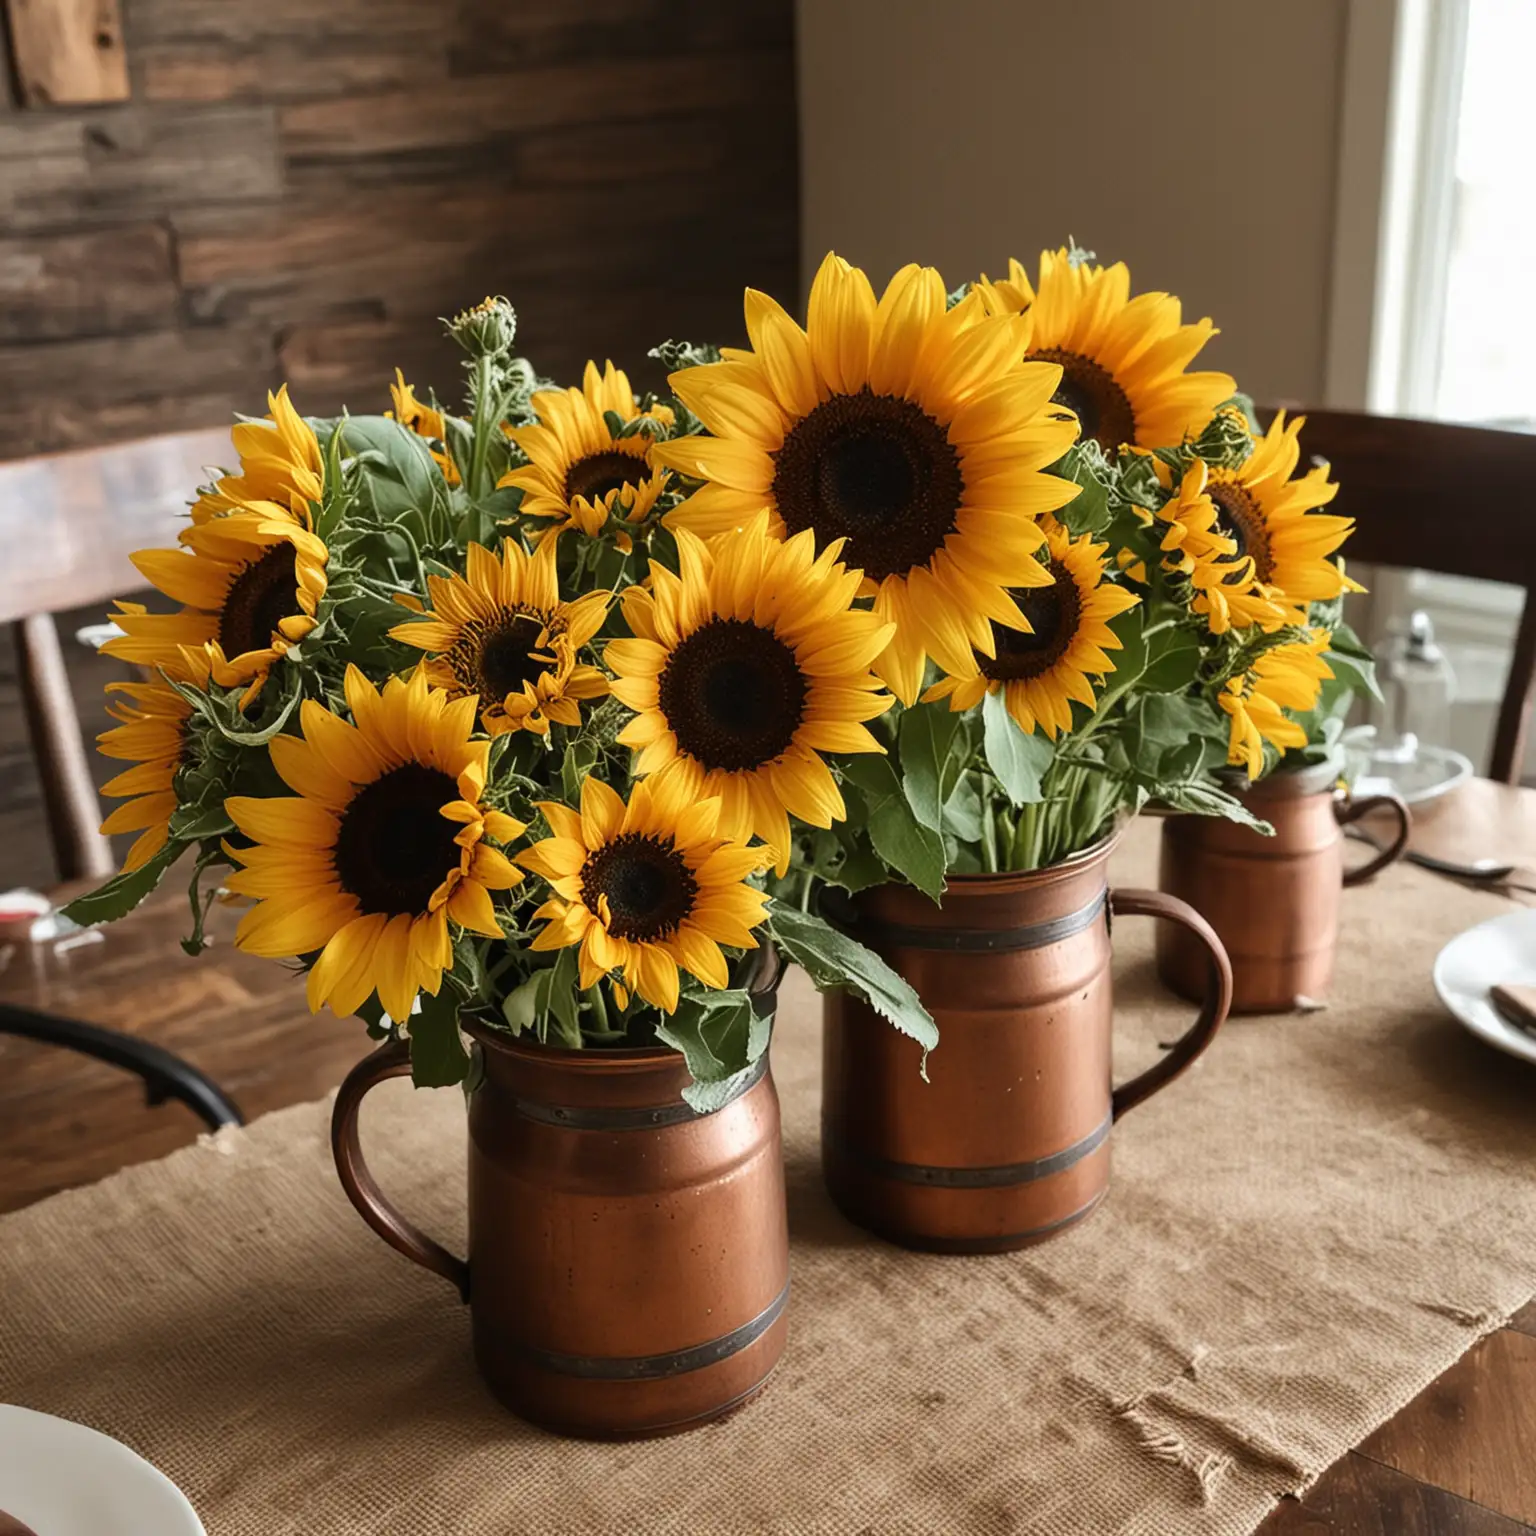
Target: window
x=1486, y=353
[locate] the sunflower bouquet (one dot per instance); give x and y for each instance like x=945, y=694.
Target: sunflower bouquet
x=472, y=734
x=1101, y=583
x=556, y=713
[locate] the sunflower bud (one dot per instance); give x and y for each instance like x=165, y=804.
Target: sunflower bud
x=1227, y=438
x=487, y=330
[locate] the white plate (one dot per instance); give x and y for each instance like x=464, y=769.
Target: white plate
x=1500, y=952
x=63, y=1479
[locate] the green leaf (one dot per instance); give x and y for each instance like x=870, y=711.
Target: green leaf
x=963, y=811
x=929, y=764
x=438, y=1057
x=1164, y=661
x=400, y=473
x=832, y=959
x=259, y=738
x=859, y=868
x=192, y=823
x=913, y=851
x=123, y=892
x=527, y=1002
x=1088, y=511
x=1358, y=673
x=564, y=1006
x=579, y=760
x=1173, y=658
x=1199, y=797
x=712, y=1032
x=1017, y=761
x=706, y=1098
x=1165, y=729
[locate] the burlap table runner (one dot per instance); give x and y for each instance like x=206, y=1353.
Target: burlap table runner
x=1300, y=1235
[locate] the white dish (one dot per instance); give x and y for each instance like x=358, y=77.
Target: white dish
x=1500, y=952
x=63, y=1479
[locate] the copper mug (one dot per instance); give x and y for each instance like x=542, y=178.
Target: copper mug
x=628, y=1259
x=1274, y=900
x=1007, y=1143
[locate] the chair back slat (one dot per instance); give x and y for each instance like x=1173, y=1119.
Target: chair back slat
x=68, y=523
x=1436, y=496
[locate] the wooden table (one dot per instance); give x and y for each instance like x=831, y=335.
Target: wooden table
x=1457, y=1461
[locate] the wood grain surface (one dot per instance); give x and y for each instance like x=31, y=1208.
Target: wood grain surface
x=68, y=52
x=1456, y=1461
x=298, y=190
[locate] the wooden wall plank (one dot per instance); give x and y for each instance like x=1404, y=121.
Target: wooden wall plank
x=204, y=71
x=98, y=283
x=492, y=37
x=68, y=52
x=73, y=393
x=132, y=163
x=485, y=109
x=309, y=186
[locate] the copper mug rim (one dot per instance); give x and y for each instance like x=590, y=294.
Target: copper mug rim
x=1288, y=783
x=762, y=981
x=1074, y=863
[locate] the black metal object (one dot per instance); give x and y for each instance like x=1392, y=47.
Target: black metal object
x=165, y=1075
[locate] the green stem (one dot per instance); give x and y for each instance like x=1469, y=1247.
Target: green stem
x=988, y=829
x=480, y=447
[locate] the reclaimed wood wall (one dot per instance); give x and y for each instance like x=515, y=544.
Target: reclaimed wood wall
x=298, y=188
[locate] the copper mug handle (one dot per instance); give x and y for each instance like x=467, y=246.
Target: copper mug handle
x=1213, y=1011
x=1346, y=811
x=392, y=1059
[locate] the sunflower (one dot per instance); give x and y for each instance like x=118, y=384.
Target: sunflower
x=1227, y=589
x=645, y=888
x=578, y=471
x=912, y=433
x=1285, y=677
x=250, y=582
x=384, y=843
x=500, y=631
x=425, y=422
x=151, y=733
x=280, y=463
x=1042, y=670
x=1273, y=522
x=1122, y=359
x=743, y=669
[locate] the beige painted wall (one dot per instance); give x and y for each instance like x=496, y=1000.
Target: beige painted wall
x=1195, y=139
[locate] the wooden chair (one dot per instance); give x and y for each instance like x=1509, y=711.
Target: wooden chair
x=68, y=523
x=1430, y=495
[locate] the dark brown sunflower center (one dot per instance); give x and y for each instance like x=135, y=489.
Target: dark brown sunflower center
x=733, y=695
x=1240, y=517
x=1090, y=392
x=599, y=473
x=876, y=470
x=647, y=883
x=261, y=596
x=1053, y=613
x=395, y=847
x=495, y=657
